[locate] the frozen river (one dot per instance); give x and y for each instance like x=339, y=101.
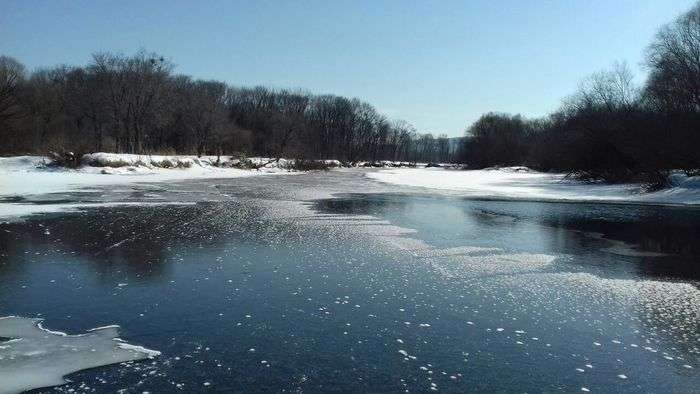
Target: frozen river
x=334, y=282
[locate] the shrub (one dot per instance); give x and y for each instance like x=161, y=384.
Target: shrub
x=652, y=180
x=655, y=180
x=307, y=165
x=110, y=163
x=165, y=163
x=64, y=159
x=244, y=164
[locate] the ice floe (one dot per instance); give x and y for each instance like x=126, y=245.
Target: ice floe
x=34, y=357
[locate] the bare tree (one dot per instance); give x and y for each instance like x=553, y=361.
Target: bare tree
x=607, y=89
x=11, y=78
x=674, y=63
x=135, y=86
x=444, y=149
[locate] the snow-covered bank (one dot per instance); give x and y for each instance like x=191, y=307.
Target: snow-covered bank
x=523, y=184
x=23, y=176
x=135, y=162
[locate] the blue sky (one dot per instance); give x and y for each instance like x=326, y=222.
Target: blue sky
x=437, y=64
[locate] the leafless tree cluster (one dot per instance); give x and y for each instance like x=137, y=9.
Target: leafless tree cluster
x=611, y=129
x=12, y=75
x=136, y=104
x=674, y=62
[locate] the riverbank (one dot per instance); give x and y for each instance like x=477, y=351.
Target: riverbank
x=521, y=183
x=24, y=176
x=24, y=179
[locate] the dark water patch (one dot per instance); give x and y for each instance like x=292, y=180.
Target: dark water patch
x=12, y=199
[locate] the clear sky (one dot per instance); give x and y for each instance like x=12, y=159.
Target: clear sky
x=436, y=64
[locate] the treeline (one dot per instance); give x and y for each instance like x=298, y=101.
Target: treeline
x=610, y=129
x=136, y=104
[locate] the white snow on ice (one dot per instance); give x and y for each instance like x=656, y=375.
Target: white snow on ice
x=27, y=175
x=524, y=184
x=35, y=357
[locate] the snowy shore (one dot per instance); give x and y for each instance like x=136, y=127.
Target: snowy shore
x=23, y=176
x=520, y=183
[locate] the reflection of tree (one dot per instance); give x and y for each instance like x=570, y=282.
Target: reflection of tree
x=84, y=237
x=586, y=227
x=13, y=246
x=359, y=204
x=487, y=217
x=663, y=235
x=133, y=240
x=652, y=228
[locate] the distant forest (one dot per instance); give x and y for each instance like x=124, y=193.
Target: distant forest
x=608, y=130
x=136, y=104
